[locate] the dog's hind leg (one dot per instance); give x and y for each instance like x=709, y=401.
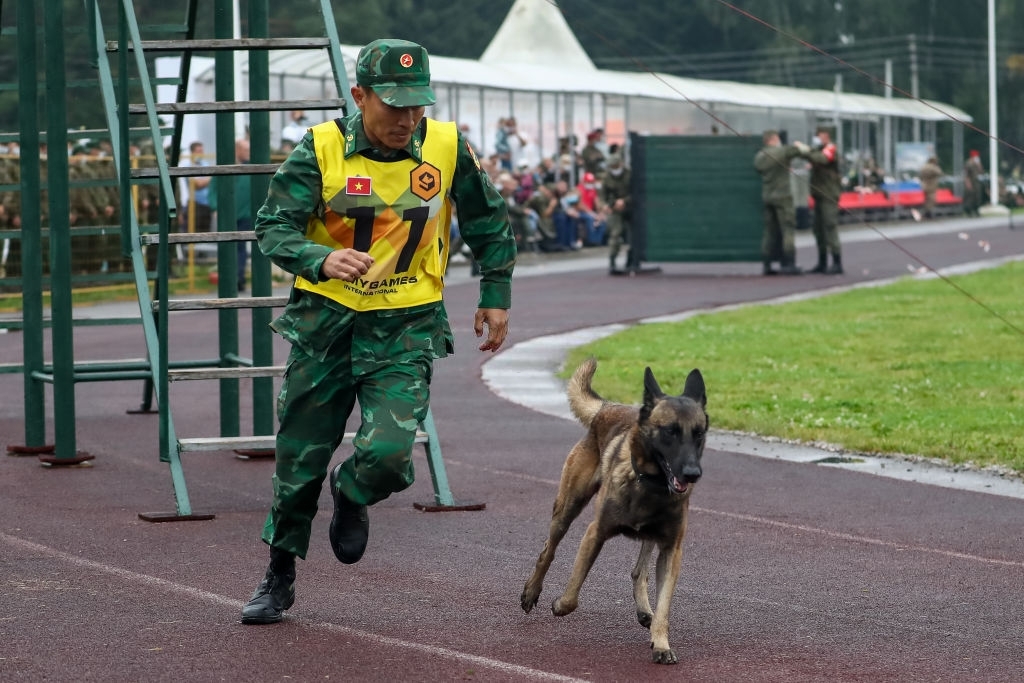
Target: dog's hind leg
x=639, y=576
x=670, y=559
x=578, y=485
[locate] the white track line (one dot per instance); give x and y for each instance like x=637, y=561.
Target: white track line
x=839, y=535
x=863, y=539
x=214, y=598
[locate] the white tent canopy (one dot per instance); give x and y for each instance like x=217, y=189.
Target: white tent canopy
x=535, y=32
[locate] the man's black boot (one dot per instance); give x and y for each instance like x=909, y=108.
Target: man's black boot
x=612, y=270
x=276, y=592
x=837, y=265
x=768, y=270
x=789, y=267
x=822, y=263
x=350, y=526
x=632, y=263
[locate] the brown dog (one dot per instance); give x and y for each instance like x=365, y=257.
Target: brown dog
x=642, y=463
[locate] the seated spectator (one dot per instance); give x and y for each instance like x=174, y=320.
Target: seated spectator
x=591, y=213
x=544, y=205
x=522, y=227
x=565, y=169
x=548, y=171
x=296, y=128
x=568, y=216
x=528, y=180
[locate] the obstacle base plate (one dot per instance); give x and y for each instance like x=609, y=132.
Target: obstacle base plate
x=81, y=457
x=30, y=450
x=173, y=517
x=457, y=506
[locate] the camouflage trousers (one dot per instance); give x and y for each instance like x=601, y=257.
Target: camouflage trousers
x=778, y=241
x=826, y=226
x=618, y=233
x=315, y=402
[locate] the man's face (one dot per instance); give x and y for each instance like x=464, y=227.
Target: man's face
x=387, y=127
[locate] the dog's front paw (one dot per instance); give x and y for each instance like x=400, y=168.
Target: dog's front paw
x=561, y=607
x=666, y=656
x=528, y=600
x=644, y=618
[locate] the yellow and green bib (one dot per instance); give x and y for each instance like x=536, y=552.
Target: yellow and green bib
x=396, y=211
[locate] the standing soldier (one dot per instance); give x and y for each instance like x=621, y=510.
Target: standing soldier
x=615, y=194
x=972, y=184
x=929, y=175
x=359, y=212
x=825, y=189
x=800, y=184
x=772, y=162
x=591, y=154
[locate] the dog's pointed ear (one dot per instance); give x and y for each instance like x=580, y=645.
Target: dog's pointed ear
x=652, y=392
x=651, y=384
x=694, y=388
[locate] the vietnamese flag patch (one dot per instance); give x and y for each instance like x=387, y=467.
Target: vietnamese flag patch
x=357, y=186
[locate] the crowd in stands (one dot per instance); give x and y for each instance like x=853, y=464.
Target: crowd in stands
x=556, y=203
x=94, y=207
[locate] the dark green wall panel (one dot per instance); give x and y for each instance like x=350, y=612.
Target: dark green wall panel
x=696, y=199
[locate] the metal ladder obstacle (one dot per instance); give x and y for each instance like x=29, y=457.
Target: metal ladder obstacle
x=44, y=44
x=229, y=367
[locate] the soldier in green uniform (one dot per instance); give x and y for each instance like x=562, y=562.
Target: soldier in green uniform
x=772, y=162
x=825, y=189
x=359, y=212
x=616, y=195
x=973, y=194
x=591, y=155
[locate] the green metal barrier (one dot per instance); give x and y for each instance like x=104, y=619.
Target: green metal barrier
x=696, y=198
x=46, y=253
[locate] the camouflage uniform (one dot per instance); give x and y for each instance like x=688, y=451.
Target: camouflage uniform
x=930, y=175
x=973, y=194
x=592, y=158
x=778, y=241
x=613, y=188
x=382, y=358
x=825, y=189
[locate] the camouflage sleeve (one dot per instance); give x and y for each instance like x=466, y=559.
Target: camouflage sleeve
x=484, y=227
x=762, y=161
x=294, y=195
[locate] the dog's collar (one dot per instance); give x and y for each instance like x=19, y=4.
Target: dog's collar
x=652, y=480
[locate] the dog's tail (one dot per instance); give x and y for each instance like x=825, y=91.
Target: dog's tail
x=583, y=400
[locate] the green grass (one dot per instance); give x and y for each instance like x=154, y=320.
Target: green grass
x=911, y=368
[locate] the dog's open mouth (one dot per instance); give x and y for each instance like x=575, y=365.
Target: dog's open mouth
x=677, y=486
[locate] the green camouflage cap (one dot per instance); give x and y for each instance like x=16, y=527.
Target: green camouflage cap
x=398, y=71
